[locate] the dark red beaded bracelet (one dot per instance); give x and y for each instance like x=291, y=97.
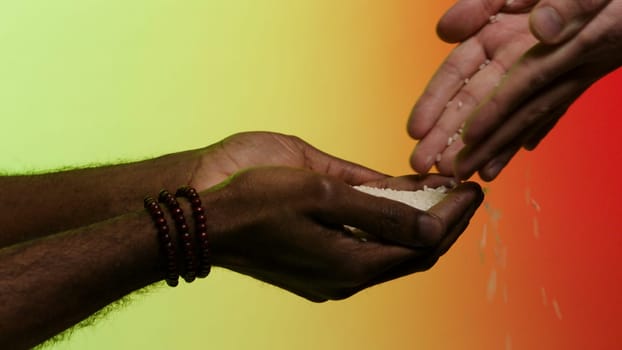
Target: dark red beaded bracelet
x=183, y=234
x=200, y=222
x=166, y=245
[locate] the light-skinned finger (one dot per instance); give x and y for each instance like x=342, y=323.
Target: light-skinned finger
x=447, y=81
x=533, y=139
x=513, y=132
x=555, y=21
x=465, y=18
x=531, y=75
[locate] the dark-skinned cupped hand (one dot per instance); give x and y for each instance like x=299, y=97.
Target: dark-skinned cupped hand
x=286, y=226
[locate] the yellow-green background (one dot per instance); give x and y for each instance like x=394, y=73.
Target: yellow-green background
x=88, y=81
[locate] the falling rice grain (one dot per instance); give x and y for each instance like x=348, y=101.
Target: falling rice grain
x=482, y=242
x=438, y=158
x=558, y=312
x=495, y=214
x=536, y=227
x=501, y=253
x=505, y=293
x=535, y=205
x=543, y=292
x=491, y=289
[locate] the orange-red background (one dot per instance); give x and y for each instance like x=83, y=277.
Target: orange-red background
x=89, y=82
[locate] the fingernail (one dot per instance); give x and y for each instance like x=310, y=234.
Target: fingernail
x=547, y=23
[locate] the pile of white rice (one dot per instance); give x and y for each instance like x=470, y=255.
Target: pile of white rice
x=422, y=199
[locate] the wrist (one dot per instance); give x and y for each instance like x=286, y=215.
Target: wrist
x=180, y=222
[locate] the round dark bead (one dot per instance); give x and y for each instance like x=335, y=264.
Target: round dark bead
x=180, y=219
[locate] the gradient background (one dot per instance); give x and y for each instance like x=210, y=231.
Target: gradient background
x=102, y=81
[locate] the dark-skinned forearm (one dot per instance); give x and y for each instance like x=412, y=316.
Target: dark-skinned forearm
x=38, y=205
x=49, y=284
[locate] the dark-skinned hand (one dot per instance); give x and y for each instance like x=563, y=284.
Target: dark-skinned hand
x=285, y=226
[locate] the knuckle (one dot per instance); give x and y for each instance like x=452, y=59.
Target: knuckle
x=538, y=78
x=325, y=189
x=538, y=112
x=392, y=219
x=431, y=230
x=453, y=70
x=587, y=40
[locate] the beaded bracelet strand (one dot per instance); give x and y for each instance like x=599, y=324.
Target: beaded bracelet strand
x=200, y=222
x=166, y=245
x=183, y=234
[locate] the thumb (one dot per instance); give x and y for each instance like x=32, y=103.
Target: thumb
x=555, y=21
